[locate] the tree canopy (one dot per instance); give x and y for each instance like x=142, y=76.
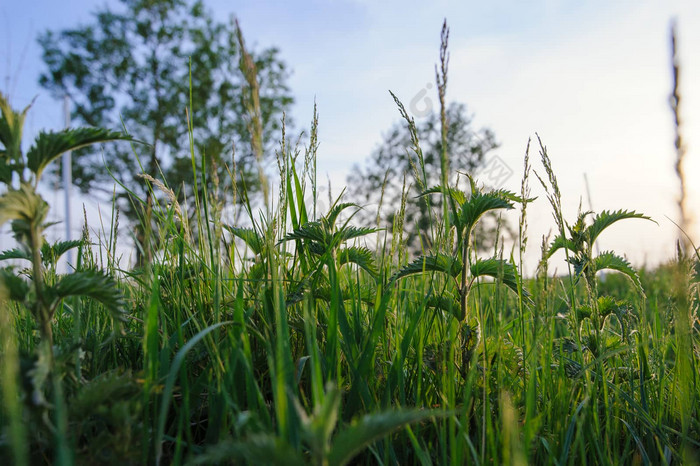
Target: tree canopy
x=382, y=176
x=142, y=65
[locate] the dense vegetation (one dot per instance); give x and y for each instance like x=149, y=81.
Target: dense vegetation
x=285, y=339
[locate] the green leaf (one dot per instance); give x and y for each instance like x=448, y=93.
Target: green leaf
x=499, y=269
x=561, y=243
x=50, y=253
x=332, y=215
x=17, y=253
x=50, y=145
x=448, y=304
x=11, y=127
x=319, y=426
x=607, y=218
x=312, y=231
x=26, y=208
x=173, y=373
x=480, y=203
x=324, y=240
x=438, y=263
x=371, y=428
x=6, y=168
x=609, y=260
x=362, y=257
x=263, y=449
x=460, y=197
x=94, y=285
x=16, y=287
x=351, y=232
x=249, y=236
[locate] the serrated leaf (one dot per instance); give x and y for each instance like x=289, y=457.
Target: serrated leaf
x=352, y=440
x=312, y=231
x=318, y=427
x=6, y=168
x=17, y=289
x=607, y=218
x=447, y=304
x=323, y=240
x=438, y=263
x=560, y=243
x=50, y=145
x=26, y=208
x=608, y=304
x=480, y=203
x=579, y=262
x=11, y=127
x=499, y=269
x=16, y=253
x=249, y=236
x=460, y=197
x=351, y=232
x=50, y=253
x=335, y=211
x=361, y=257
x=609, y=260
x=94, y=285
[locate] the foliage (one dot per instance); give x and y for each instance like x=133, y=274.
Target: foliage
x=380, y=182
x=44, y=291
x=163, y=67
x=288, y=342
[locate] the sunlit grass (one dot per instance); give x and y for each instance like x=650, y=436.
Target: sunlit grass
x=299, y=337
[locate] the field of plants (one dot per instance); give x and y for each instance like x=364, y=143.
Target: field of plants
x=297, y=336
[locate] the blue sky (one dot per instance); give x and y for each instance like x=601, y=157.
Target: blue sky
x=592, y=78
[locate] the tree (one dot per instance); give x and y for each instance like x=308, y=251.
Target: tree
x=382, y=177
x=141, y=65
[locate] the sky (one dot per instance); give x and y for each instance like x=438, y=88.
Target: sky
x=592, y=79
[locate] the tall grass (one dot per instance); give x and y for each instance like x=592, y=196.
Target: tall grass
x=285, y=339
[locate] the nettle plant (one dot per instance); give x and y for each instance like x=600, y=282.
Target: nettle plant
x=578, y=241
x=37, y=291
x=462, y=267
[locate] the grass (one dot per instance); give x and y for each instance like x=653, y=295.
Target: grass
x=286, y=340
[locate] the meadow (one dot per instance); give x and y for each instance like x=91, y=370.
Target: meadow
x=297, y=336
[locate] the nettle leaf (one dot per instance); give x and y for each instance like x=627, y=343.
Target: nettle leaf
x=16, y=253
x=25, y=207
x=438, y=263
x=249, y=236
x=362, y=257
x=607, y=218
x=445, y=303
x=6, y=168
x=351, y=232
x=499, y=269
x=16, y=287
x=318, y=427
x=333, y=214
x=312, y=231
x=50, y=145
x=50, y=253
x=458, y=196
x=480, y=203
x=11, y=127
x=370, y=428
x=609, y=260
x=94, y=285
x=561, y=243
x=580, y=262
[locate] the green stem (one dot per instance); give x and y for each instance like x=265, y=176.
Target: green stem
x=43, y=313
x=463, y=287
